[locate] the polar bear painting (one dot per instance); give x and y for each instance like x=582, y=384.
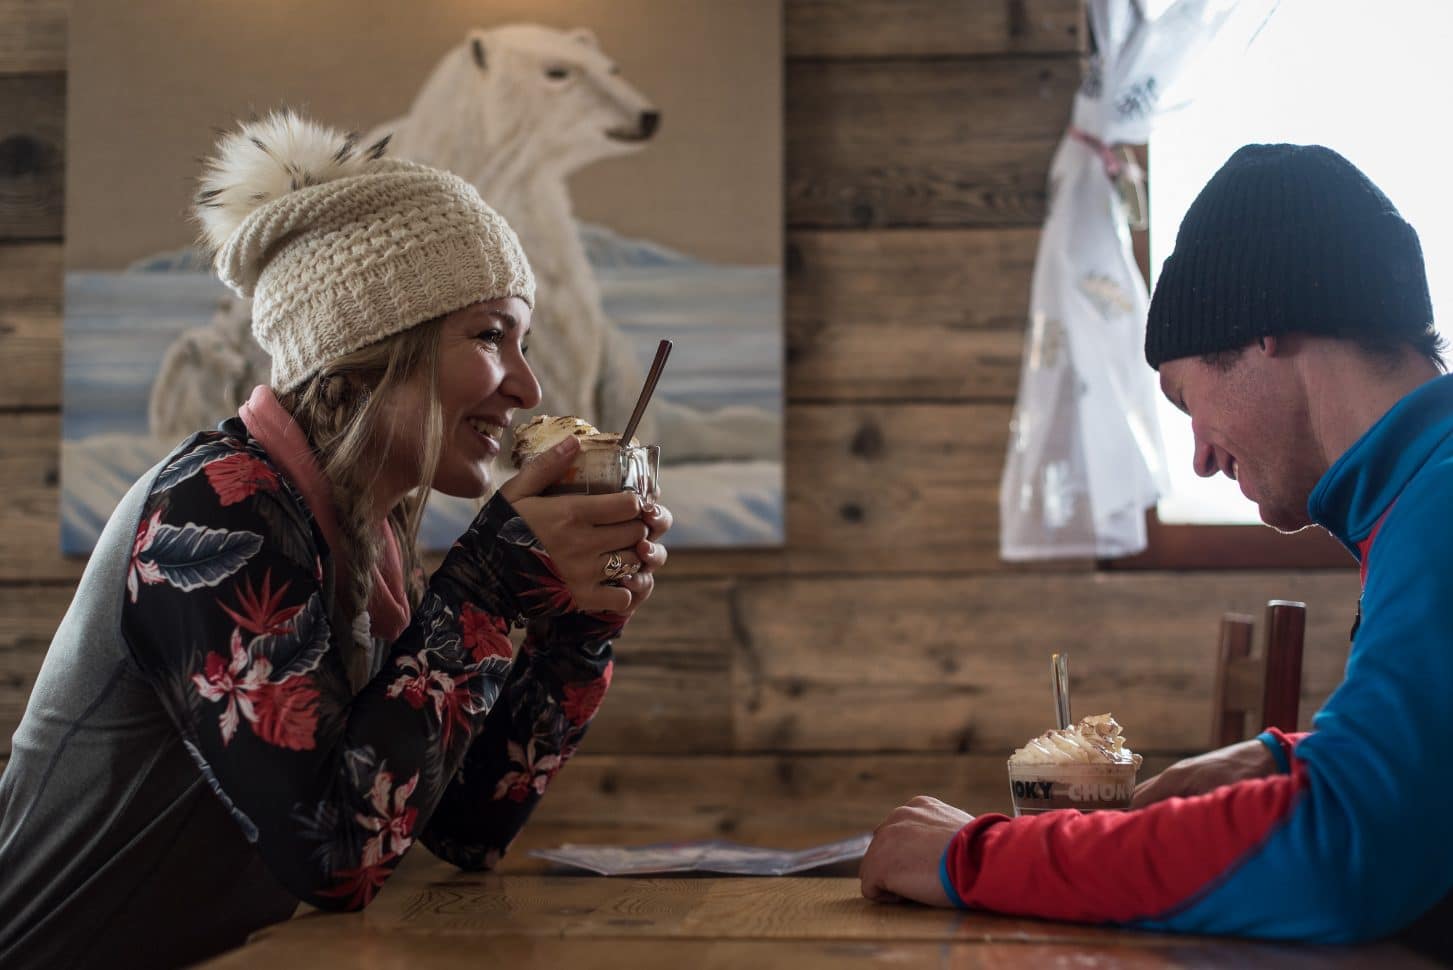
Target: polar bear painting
x=516, y=110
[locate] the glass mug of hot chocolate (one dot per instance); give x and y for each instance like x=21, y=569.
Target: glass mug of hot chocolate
x=602, y=465
x=1086, y=766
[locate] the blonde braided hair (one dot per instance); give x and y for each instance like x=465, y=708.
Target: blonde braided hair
x=342, y=410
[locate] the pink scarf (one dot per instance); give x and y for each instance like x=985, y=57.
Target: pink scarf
x=284, y=442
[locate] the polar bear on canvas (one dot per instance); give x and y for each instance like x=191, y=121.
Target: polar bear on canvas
x=516, y=110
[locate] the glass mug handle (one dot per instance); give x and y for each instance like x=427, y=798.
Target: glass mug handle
x=641, y=471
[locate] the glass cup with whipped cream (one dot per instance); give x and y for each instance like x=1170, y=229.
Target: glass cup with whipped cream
x=603, y=464
x=1086, y=767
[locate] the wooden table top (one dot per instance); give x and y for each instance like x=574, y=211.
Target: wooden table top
x=432, y=915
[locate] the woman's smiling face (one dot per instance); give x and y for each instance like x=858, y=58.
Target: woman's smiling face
x=483, y=379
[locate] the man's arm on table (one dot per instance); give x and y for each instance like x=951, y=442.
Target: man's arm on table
x=908, y=849
x=1061, y=865
x=1349, y=845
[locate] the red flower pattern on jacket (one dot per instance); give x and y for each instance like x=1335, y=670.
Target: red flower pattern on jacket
x=257, y=610
x=583, y=700
x=357, y=886
x=418, y=685
x=535, y=771
x=287, y=713
x=452, y=703
x=550, y=590
x=145, y=572
x=414, y=684
x=391, y=819
x=231, y=682
x=484, y=634
x=240, y=476
x=283, y=714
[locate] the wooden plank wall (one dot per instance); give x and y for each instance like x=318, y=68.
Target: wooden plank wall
x=885, y=650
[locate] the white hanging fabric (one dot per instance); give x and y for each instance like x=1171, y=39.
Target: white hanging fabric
x=1085, y=453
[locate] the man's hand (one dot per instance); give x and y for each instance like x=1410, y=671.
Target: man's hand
x=580, y=532
x=902, y=861
x=1204, y=772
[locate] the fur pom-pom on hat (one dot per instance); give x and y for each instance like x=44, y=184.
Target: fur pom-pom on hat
x=340, y=247
x=265, y=160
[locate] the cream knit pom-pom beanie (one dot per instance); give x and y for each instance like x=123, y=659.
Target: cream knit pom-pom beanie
x=339, y=247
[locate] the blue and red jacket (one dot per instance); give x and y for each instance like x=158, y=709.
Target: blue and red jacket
x=1350, y=840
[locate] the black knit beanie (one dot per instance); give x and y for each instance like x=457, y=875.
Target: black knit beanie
x=1287, y=239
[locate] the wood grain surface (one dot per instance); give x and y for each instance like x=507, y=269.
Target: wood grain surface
x=430, y=913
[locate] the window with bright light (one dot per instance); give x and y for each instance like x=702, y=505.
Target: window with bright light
x=1370, y=80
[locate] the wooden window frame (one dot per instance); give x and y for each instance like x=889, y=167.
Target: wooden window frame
x=1200, y=547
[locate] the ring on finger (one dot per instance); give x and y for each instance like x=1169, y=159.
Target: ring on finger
x=616, y=567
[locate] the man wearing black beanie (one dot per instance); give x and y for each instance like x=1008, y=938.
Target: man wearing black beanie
x=1293, y=324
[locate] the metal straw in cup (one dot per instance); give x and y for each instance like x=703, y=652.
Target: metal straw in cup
x=1059, y=673
x=663, y=350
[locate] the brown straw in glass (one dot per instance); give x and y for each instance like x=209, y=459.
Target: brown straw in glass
x=663, y=350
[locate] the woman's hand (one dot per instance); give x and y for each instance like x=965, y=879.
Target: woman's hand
x=649, y=553
x=591, y=538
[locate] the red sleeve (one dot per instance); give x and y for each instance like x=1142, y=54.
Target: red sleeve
x=1281, y=745
x=1114, y=866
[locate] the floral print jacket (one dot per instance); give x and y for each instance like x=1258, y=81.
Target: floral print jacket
x=452, y=742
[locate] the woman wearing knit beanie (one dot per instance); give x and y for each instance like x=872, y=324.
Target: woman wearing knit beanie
x=255, y=698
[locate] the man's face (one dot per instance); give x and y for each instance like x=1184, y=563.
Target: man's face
x=1251, y=424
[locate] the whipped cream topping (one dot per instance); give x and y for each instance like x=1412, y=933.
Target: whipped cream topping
x=1095, y=740
x=543, y=432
